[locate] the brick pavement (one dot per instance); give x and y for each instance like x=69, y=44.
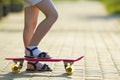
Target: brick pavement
x=84, y=29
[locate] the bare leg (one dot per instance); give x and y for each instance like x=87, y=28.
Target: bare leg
x=32, y=37
x=31, y=15
x=50, y=12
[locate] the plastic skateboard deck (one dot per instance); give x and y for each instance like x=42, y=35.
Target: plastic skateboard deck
x=46, y=60
x=68, y=63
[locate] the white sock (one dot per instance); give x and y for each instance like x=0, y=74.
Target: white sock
x=35, y=52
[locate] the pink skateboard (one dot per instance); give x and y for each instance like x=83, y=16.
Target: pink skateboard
x=68, y=63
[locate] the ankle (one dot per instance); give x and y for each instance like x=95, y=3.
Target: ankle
x=32, y=51
x=31, y=47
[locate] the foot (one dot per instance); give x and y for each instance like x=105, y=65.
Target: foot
x=37, y=66
x=34, y=52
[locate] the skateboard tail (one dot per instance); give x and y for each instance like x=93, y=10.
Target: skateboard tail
x=68, y=64
x=79, y=58
x=73, y=60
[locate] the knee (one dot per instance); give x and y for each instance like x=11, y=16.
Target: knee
x=53, y=16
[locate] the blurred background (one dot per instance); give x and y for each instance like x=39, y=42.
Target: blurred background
x=112, y=6
x=84, y=27
x=7, y=6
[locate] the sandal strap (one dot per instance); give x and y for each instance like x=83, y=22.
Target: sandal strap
x=42, y=55
x=33, y=64
x=46, y=68
x=31, y=50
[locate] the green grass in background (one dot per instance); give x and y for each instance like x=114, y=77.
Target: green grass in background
x=112, y=6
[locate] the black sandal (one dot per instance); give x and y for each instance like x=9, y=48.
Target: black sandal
x=41, y=55
x=44, y=68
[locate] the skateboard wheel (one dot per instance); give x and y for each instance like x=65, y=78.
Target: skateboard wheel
x=15, y=68
x=69, y=70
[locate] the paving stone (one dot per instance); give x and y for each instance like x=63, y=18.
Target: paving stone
x=84, y=29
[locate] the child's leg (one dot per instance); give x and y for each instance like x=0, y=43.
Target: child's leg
x=31, y=40
x=50, y=12
x=31, y=15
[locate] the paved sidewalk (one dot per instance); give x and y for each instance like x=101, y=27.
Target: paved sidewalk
x=83, y=28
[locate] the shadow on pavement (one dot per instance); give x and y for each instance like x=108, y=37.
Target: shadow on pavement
x=12, y=76
x=27, y=75
x=62, y=75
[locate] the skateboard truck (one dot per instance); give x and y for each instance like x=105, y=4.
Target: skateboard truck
x=17, y=66
x=68, y=67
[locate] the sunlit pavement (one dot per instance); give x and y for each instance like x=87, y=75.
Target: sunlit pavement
x=83, y=28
